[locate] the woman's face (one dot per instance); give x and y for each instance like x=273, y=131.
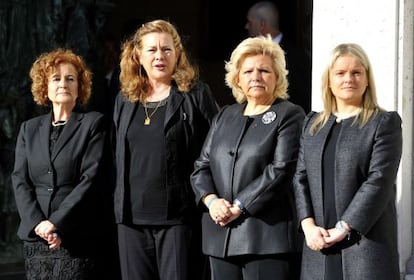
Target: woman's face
x=158, y=56
x=63, y=85
x=257, y=78
x=348, y=80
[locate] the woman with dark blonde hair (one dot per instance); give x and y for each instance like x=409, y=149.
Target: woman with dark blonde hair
x=58, y=156
x=345, y=177
x=160, y=120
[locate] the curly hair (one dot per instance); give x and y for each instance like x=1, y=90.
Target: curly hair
x=47, y=63
x=250, y=47
x=134, y=82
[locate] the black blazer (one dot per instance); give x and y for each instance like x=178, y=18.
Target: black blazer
x=59, y=186
x=187, y=120
x=255, y=166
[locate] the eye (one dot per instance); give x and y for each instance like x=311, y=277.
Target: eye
x=264, y=71
x=150, y=50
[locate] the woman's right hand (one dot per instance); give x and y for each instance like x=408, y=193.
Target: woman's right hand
x=314, y=235
x=219, y=208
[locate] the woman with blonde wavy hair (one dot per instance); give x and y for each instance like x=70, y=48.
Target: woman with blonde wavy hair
x=243, y=177
x=161, y=118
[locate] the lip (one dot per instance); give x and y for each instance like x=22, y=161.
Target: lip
x=160, y=66
x=257, y=86
x=63, y=94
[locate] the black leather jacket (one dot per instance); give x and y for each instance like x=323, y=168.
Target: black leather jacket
x=253, y=160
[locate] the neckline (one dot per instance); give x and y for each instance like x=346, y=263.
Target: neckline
x=154, y=104
x=343, y=116
x=59, y=123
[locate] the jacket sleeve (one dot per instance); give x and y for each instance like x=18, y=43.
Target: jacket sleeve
x=374, y=194
x=207, y=105
x=300, y=180
x=29, y=210
x=201, y=179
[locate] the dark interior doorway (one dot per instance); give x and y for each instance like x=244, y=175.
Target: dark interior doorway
x=211, y=29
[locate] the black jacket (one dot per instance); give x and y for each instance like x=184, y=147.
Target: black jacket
x=255, y=166
x=60, y=187
x=187, y=119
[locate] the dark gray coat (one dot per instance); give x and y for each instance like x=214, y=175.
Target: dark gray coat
x=366, y=165
x=256, y=166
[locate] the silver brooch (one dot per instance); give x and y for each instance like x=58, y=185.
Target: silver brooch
x=269, y=117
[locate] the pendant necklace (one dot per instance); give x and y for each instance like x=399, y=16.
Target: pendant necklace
x=147, y=120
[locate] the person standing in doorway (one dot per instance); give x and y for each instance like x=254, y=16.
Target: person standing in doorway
x=262, y=19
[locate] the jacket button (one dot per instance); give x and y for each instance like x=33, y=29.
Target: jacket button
x=49, y=171
x=50, y=189
x=231, y=153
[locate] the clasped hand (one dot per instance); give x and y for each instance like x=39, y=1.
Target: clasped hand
x=223, y=212
x=46, y=230
x=318, y=238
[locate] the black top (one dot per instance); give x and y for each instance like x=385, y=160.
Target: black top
x=333, y=265
x=146, y=157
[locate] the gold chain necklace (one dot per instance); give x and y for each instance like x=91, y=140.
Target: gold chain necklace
x=147, y=120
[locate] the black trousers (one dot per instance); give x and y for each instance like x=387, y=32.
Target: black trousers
x=155, y=252
x=251, y=267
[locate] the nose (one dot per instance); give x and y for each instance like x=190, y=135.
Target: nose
x=256, y=76
x=62, y=82
x=348, y=78
x=158, y=55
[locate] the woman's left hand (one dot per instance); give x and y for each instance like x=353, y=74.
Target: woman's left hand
x=46, y=230
x=235, y=213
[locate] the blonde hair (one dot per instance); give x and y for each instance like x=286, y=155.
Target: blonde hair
x=134, y=83
x=254, y=46
x=369, y=104
x=47, y=63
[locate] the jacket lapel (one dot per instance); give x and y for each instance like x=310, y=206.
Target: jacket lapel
x=44, y=135
x=67, y=133
x=173, y=105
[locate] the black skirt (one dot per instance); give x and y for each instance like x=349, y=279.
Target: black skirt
x=42, y=263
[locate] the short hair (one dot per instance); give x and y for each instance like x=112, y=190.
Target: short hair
x=369, y=104
x=267, y=11
x=254, y=46
x=46, y=64
x=134, y=83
